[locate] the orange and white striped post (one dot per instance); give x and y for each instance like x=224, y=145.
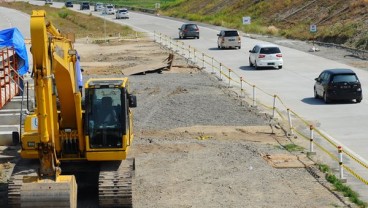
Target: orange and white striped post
x=341, y=167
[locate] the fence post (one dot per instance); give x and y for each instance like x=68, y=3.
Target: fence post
x=290, y=123
x=254, y=96
x=154, y=36
x=213, y=69
x=203, y=60
x=220, y=72
x=189, y=54
x=341, y=168
x=229, y=78
x=241, y=88
x=194, y=56
x=182, y=47
x=274, y=106
x=311, y=138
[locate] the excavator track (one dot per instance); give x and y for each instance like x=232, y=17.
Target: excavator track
x=21, y=169
x=25, y=189
x=115, y=183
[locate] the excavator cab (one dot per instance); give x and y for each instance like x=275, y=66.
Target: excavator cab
x=107, y=115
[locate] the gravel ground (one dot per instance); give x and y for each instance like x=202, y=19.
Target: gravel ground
x=215, y=158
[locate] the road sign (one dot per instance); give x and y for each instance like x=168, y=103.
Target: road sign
x=246, y=20
x=157, y=5
x=313, y=28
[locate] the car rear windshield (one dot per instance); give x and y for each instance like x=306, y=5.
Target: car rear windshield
x=345, y=78
x=123, y=10
x=191, y=27
x=231, y=33
x=270, y=50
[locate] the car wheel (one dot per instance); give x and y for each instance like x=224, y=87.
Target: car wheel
x=218, y=46
x=197, y=37
x=280, y=67
x=315, y=94
x=250, y=63
x=325, y=98
x=256, y=66
x=359, y=100
x=239, y=47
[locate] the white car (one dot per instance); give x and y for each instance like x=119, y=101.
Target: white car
x=228, y=39
x=109, y=9
x=122, y=14
x=266, y=55
x=99, y=6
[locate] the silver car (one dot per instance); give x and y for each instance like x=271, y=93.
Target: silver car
x=122, y=14
x=266, y=55
x=228, y=39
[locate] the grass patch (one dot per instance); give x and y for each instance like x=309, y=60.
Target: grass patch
x=340, y=187
x=293, y=148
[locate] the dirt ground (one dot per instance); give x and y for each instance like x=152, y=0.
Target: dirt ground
x=199, y=158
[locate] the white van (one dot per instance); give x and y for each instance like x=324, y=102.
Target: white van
x=109, y=9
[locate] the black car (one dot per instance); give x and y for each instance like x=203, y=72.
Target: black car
x=68, y=4
x=189, y=30
x=338, y=84
x=84, y=5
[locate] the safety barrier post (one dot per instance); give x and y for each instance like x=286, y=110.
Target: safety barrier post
x=220, y=79
x=274, y=106
x=203, y=60
x=254, y=96
x=182, y=47
x=241, y=88
x=290, y=123
x=229, y=78
x=311, y=138
x=154, y=36
x=194, y=56
x=213, y=68
x=189, y=54
x=342, y=179
x=160, y=37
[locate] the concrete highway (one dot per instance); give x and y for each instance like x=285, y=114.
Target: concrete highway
x=345, y=122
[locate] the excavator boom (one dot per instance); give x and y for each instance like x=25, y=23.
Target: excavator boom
x=61, y=131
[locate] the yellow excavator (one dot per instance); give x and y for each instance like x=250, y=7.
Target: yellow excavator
x=69, y=138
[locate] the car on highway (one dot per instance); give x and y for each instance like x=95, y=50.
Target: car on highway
x=338, y=84
x=49, y=2
x=98, y=7
x=68, y=4
x=122, y=14
x=84, y=5
x=189, y=30
x=228, y=39
x=109, y=9
x=266, y=55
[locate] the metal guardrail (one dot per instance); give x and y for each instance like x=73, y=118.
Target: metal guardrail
x=344, y=158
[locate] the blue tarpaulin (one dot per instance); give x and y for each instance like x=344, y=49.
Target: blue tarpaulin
x=13, y=37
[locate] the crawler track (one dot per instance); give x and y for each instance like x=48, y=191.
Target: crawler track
x=115, y=184
x=22, y=168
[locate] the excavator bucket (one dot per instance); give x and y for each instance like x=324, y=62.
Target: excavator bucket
x=49, y=193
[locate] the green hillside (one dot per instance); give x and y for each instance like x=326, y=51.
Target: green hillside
x=338, y=21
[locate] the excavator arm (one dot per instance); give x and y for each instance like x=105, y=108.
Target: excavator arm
x=53, y=59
